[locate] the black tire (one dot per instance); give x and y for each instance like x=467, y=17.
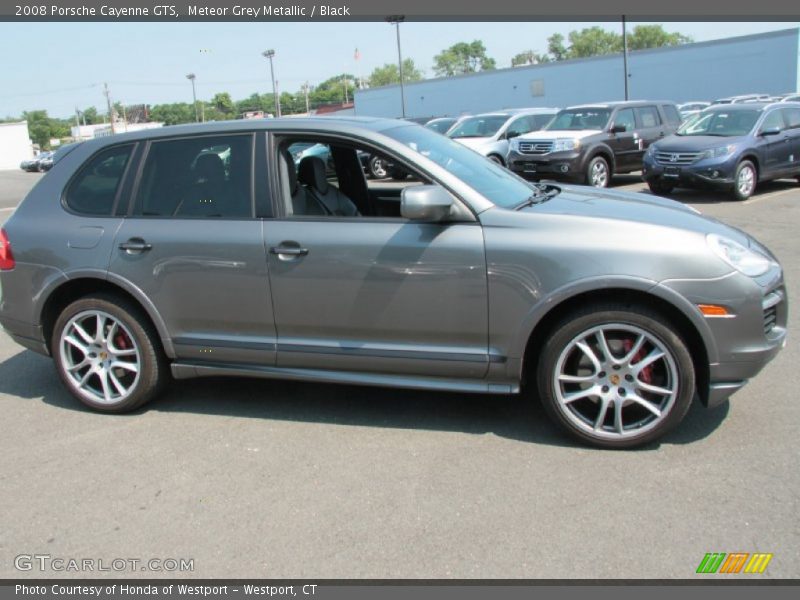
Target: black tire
x=398, y=174
x=496, y=159
x=741, y=192
x=675, y=373
x=153, y=368
x=593, y=178
x=659, y=188
x=377, y=167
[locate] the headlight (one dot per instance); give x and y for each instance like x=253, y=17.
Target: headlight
x=718, y=152
x=514, y=144
x=651, y=150
x=564, y=144
x=744, y=260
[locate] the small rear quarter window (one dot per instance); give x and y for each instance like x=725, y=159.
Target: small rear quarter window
x=93, y=190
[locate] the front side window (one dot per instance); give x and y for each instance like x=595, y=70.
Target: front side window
x=773, y=120
x=94, y=190
x=481, y=126
x=625, y=117
x=201, y=177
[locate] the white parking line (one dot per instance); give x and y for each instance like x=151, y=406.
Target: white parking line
x=770, y=195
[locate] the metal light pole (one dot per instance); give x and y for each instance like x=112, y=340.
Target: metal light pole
x=625, y=54
x=269, y=54
x=191, y=77
x=396, y=20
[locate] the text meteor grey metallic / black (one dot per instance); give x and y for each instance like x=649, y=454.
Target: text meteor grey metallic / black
x=260, y=249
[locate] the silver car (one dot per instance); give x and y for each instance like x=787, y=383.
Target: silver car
x=204, y=250
x=489, y=133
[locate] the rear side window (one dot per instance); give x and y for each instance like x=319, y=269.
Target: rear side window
x=792, y=116
x=648, y=116
x=672, y=114
x=201, y=177
x=94, y=189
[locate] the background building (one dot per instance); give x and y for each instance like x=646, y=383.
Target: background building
x=15, y=144
x=763, y=63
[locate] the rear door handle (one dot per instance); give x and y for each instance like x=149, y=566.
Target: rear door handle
x=288, y=250
x=135, y=245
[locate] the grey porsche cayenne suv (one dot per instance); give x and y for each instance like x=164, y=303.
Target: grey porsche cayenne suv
x=206, y=250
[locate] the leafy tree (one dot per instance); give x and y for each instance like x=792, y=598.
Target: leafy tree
x=223, y=105
x=654, y=36
x=529, y=57
x=42, y=128
x=389, y=74
x=593, y=41
x=333, y=90
x=462, y=58
x=556, y=47
x=173, y=114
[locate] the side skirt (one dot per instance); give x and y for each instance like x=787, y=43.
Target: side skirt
x=187, y=370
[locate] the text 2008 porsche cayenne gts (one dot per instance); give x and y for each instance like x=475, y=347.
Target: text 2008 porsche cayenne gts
x=205, y=250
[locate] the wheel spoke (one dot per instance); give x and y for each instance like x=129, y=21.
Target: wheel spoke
x=108, y=338
x=98, y=334
x=648, y=405
x=572, y=397
x=618, y=425
x=85, y=379
x=605, y=348
x=634, y=350
x=655, y=354
x=653, y=389
x=601, y=415
x=72, y=341
x=103, y=375
x=591, y=355
x=575, y=378
x=129, y=366
x=117, y=383
x=82, y=332
x=77, y=367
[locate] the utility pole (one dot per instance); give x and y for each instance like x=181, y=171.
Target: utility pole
x=110, y=108
x=78, y=121
x=344, y=80
x=396, y=20
x=625, y=54
x=305, y=91
x=270, y=54
x=191, y=77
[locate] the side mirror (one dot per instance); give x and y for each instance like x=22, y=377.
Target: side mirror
x=512, y=134
x=618, y=128
x=771, y=131
x=425, y=203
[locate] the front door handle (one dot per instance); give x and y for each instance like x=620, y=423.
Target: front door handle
x=293, y=251
x=135, y=245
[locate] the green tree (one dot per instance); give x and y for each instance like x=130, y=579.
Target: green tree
x=529, y=57
x=462, y=58
x=654, y=36
x=42, y=128
x=173, y=114
x=223, y=106
x=333, y=90
x=593, y=41
x=389, y=74
x=556, y=47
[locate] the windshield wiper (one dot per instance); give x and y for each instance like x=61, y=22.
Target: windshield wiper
x=543, y=193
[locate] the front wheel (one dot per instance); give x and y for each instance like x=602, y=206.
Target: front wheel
x=598, y=173
x=744, y=181
x=377, y=167
x=616, y=376
x=108, y=354
x=496, y=159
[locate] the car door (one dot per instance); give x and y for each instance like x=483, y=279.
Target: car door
x=776, y=148
x=375, y=294
x=625, y=144
x=192, y=246
x=792, y=118
x=649, y=129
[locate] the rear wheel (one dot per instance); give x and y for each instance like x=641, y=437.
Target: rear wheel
x=377, y=167
x=598, y=173
x=616, y=376
x=744, y=181
x=660, y=188
x=108, y=354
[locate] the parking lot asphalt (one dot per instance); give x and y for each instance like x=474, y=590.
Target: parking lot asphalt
x=254, y=478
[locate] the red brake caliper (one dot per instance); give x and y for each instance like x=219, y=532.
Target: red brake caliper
x=122, y=341
x=647, y=373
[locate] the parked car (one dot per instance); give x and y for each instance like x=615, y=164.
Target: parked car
x=791, y=98
x=688, y=109
x=489, y=133
x=442, y=124
x=590, y=143
x=616, y=307
x=742, y=99
x=728, y=147
x=33, y=165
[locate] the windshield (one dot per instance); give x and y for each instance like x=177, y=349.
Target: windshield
x=575, y=119
x=497, y=184
x=723, y=123
x=440, y=125
x=485, y=126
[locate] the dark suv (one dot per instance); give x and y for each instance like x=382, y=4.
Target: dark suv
x=588, y=144
x=728, y=147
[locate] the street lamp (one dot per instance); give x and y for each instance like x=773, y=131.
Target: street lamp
x=191, y=77
x=269, y=54
x=396, y=20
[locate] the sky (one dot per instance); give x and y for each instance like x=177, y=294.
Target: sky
x=58, y=66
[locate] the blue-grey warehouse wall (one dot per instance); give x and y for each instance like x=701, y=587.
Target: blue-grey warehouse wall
x=763, y=63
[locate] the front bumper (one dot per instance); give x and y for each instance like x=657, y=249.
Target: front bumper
x=566, y=166
x=746, y=340
x=714, y=173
